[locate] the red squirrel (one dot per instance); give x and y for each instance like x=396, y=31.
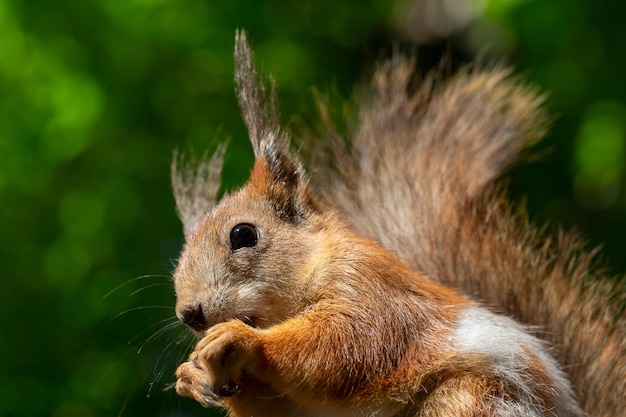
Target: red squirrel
x=399, y=281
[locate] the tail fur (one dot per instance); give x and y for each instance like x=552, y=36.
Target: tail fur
x=419, y=173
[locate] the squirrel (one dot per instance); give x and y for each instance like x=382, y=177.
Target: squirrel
x=399, y=280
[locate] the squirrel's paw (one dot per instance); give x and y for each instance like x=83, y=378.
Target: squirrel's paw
x=214, y=367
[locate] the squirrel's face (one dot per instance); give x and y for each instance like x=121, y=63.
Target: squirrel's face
x=244, y=261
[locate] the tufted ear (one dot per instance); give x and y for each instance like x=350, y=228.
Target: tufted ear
x=256, y=100
x=195, y=184
x=285, y=181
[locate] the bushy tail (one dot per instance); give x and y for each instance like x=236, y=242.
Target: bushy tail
x=418, y=174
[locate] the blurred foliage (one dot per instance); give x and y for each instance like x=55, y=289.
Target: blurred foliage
x=94, y=97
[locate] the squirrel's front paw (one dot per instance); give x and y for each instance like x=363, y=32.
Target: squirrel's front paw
x=214, y=367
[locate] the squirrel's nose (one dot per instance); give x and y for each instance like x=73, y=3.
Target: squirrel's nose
x=193, y=316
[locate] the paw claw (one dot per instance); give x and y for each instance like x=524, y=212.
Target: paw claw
x=210, y=402
x=228, y=390
x=208, y=392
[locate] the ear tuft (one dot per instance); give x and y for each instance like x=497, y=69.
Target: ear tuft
x=256, y=100
x=196, y=183
x=288, y=189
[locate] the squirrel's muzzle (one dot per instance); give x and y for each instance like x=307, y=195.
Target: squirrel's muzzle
x=193, y=317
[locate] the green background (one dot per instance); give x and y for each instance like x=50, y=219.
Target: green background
x=95, y=96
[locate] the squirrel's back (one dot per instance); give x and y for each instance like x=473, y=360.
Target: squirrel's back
x=419, y=174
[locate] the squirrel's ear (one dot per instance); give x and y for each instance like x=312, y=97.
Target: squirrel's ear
x=285, y=185
x=256, y=100
x=276, y=171
x=195, y=183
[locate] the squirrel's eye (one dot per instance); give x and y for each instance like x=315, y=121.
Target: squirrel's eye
x=243, y=236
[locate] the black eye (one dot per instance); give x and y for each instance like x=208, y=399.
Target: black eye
x=243, y=236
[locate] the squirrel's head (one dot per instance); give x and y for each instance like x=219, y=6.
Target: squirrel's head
x=246, y=256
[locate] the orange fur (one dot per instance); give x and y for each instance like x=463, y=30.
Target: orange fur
x=453, y=221
x=347, y=305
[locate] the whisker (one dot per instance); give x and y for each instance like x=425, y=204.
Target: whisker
x=115, y=365
x=138, y=308
x=162, y=362
x=123, y=408
x=150, y=328
x=159, y=284
x=123, y=284
x=186, y=341
x=159, y=333
x=155, y=328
